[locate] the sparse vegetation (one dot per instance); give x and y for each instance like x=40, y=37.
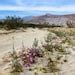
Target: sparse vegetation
x=55, y=52
x=16, y=67
x=63, y=32
x=52, y=51
x=12, y=22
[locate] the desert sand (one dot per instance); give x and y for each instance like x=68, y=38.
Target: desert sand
x=28, y=36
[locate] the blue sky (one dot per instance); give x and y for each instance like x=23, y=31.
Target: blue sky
x=36, y=7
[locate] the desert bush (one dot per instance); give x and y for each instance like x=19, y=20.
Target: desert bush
x=16, y=66
x=52, y=65
x=59, y=33
x=1, y=24
x=28, y=58
x=55, y=51
x=12, y=22
x=63, y=31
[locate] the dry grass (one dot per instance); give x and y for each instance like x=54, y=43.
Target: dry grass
x=63, y=31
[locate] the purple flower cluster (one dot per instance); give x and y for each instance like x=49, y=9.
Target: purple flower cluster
x=35, y=52
x=31, y=56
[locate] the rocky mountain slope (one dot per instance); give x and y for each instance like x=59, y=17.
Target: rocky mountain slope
x=49, y=19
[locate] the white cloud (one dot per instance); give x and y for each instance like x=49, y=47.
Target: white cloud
x=69, y=8
x=13, y=8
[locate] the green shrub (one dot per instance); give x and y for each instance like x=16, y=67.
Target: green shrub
x=12, y=22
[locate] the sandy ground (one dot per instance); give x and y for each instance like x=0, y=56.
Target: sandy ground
x=28, y=36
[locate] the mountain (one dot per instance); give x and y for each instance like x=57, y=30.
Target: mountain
x=50, y=19
x=27, y=18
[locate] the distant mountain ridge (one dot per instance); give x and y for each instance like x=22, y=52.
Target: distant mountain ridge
x=50, y=19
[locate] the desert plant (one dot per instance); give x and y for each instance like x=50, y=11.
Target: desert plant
x=12, y=22
x=59, y=33
x=31, y=55
x=16, y=67
x=35, y=43
x=52, y=65
x=55, y=52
